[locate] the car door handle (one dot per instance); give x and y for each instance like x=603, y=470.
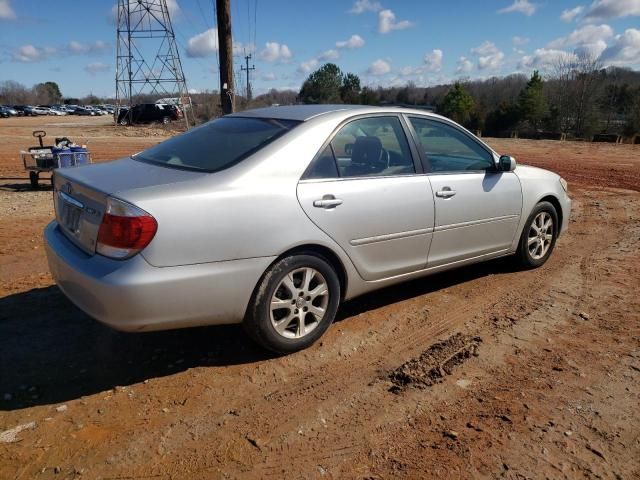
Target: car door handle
x=327, y=201
x=446, y=192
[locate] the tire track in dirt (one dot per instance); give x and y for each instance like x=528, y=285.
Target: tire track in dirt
x=525, y=289
x=549, y=320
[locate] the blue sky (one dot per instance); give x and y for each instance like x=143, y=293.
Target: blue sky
x=385, y=42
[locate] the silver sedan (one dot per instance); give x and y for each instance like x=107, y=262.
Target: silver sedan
x=272, y=217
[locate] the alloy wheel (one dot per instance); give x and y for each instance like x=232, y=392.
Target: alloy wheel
x=299, y=303
x=540, y=235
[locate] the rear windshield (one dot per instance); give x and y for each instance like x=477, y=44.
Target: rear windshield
x=216, y=145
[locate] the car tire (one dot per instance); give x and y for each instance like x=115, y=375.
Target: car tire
x=538, y=236
x=293, y=304
x=33, y=180
x=124, y=122
x=165, y=120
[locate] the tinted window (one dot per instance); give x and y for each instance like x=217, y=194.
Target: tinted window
x=324, y=166
x=448, y=149
x=375, y=146
x=218, y=144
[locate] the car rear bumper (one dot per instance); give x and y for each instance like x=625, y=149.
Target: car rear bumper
x=132, y=295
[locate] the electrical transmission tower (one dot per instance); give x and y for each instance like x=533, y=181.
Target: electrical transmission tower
x=147, y=59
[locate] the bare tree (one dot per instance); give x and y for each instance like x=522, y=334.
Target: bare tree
x=587, y=83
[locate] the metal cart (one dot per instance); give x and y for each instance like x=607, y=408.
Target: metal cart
x=45, y=158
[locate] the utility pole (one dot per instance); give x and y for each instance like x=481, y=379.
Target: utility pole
x=247, y=69
x=225, y=51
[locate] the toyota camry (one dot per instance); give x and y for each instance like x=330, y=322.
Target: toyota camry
x=272, y=217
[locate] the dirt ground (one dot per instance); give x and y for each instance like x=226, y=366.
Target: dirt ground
x=543, y=380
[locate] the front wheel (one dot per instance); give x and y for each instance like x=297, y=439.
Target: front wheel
x=538, y=236
x=165, y=120
x=294, y=303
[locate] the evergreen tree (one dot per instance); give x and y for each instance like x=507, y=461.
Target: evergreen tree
x=350, y=89
x=323, y=85
x=457, y=104
x=532, y=104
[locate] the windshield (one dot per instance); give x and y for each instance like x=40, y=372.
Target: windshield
x=218, y=144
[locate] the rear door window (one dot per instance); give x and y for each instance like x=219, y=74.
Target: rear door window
x=218, y=144
x=366, y=147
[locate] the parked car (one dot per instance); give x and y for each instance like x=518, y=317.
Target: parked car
x=272, y=217
x=148, y=113
x=20, y=109
x=4, y=112
x=12, y=111
x=59, y=110
x=40, y=110
x=83, y=111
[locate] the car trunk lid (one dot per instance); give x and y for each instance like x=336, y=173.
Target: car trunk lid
x=80, y=194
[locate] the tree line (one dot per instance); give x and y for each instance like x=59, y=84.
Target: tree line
x=578, y=97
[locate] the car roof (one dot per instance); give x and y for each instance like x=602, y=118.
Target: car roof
x=307, y=112
x=295, y=112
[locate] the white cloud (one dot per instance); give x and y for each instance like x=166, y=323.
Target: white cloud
x=520, y=6
x=97, y=67
x=268, y=76
x=485, y=48
x=203, y=44
x=329, y=55
x=589, y=39
x=308, y=66
x=275, y=52
x=519, y=41
x=464, y=65
x=489, y=57
x=410, y=71
x=356, y=41
x=605, y=9
x=433, y=60
x=31, y=54
x=361, y=6
x=570, y=14
x=387, y=22
x=582, y=35
x=379, y=67
x=544, y=58
x=6, y=12
x=77, y=48
x=625, y=49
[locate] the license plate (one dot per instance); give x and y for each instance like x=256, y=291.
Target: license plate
x=70, y=216
x=70, y=212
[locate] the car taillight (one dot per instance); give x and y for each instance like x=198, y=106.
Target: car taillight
x=125, y=230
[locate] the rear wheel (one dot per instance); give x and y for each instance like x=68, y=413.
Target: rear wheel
x=33, y=179
x=538, y=236
x=294, y=304
x=165, y=120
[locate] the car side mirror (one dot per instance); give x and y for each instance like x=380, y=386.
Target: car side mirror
x=506, y=163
